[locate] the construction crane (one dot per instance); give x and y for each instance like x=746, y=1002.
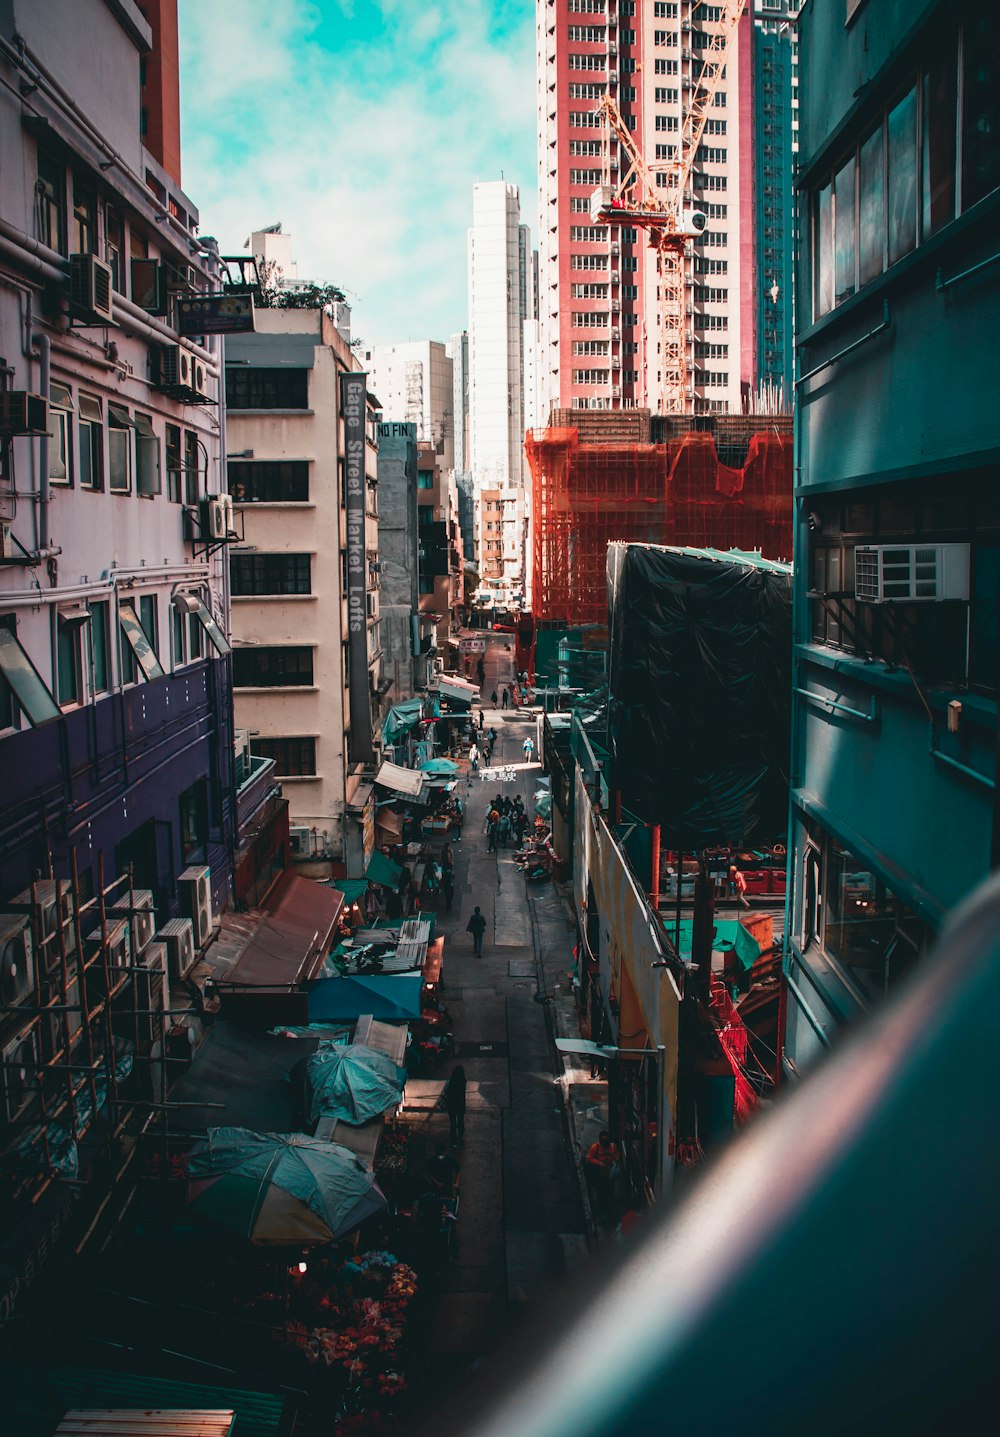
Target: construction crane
x=637, y=200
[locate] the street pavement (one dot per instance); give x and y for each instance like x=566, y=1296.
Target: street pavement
x=523, y=1220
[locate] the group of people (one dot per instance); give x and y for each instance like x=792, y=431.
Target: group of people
x=506, y=821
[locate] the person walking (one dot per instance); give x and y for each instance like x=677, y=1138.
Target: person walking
x=448, y=886
x=492, y=832
x=474, y=759
x=493, y=698
x=481, y=720
x=602, y=1163
x=477, y=927
x=454, y=1103
x=506, y=698
x=528, y=748
x=503, y=832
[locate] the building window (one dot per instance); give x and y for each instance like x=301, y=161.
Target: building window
x=150, y=621
x=193, y=810
x=175, y=464
x=147, y=457
x=60, y=434
x=69, y=659
x=981, y=106
x=84, y=237
x=192, y=467
x=50, y=203
x=271, y=573
x=248, y=388
x=271, y=668
x=269, y=481
x=21, y=686
x=844, y=210
x=91, y=433
x=870, y=933
x=901, y=152
x=293, y=757
x=136, y=652
x=871, y=217
x=114, y=244
x=100, y=630
x=119, y=450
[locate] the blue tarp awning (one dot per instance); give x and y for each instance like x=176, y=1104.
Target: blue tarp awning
x=400, y=719
x=389, y=999
x=439, y=765
x=728, y=934
x=351, y=888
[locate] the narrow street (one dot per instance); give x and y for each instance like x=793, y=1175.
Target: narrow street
x=521, y=1220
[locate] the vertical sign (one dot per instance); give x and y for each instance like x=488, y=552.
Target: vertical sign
x=353, y=391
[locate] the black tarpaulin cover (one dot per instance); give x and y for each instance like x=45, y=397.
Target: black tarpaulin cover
x=700, y=692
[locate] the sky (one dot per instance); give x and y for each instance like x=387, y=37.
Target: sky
x=360, y=125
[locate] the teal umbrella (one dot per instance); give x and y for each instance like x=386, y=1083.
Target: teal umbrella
x=352, y=1082
x=438, y=765
x=280, y=1189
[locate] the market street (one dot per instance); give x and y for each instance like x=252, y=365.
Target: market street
x=521, y=1220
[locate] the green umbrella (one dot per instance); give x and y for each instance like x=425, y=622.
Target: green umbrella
x=280, y=1189
x=352, y=1082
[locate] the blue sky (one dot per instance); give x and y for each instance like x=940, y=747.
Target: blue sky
x=362, y=126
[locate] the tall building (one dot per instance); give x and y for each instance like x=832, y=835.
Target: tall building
x=898, y=545
x=775, y=94
x=599, y=309
x=500, y=287
x=307, y=652
x=414, y=384
x=458, y=352
x=118, y=809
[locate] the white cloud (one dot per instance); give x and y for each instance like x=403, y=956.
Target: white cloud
x=366, y=155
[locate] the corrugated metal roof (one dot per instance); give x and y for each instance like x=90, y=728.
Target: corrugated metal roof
x=145, y=1422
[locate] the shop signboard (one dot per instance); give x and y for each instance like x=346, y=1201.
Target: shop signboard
x=353, y=394
x=471, y=646
x=215, y=314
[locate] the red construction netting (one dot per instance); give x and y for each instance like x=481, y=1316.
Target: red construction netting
x=589, y=495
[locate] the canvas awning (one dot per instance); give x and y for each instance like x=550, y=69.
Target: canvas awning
x=400, y=719
x=400, y=780
x=729, y=934
x=342, y=1000
x=390, y=822
x=455, y=688
x=293, y=940
x=382, y=870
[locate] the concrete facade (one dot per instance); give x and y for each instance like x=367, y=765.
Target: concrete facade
x=414, y=383
x=103, y=516
x=397, y=538
x=599, y=306
x=894, y=721
x=286, y=476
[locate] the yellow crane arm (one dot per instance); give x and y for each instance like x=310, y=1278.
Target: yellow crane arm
x=636, y=189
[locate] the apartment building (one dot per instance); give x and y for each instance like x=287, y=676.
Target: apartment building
x=118, y=806
x=440, y=557
x=599, y=306
x=304, y=580
x=775, y=94
x=894, y=815
x=414, y=383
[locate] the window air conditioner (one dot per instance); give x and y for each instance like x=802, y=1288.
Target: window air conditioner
x=176, y=367
x=152, y=993
x=19, y=1074
x=70, y=1012
x=615, y=332
x=616, y=391
x=300, y=840
x=194, y=889
x=911, y=573
x=43, y=906
x=118, y=953
x=143, y=917
x=23, y=413
x=90, y=289
x=177, y=936
x=17, y=976
x=215, y=517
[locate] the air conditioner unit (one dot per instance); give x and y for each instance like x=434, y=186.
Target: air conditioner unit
x=152, y=993
x=911, y=573
x=201, y=379
x=176, y=368
x=616, y=305
x=90, y=288
x=23, y=413
x=616, y=391
x=17, y=974
x=143, y=917
x=615, y=332
x=177, y=936
x=19, y=1074
x=616, y=248
x=194, y=889
x=226, y=502
x=214, y=517
x=113, y=961
x=612, y=47
x=43, y=907
x=615, y=362
x=300, y=841
x=439, y=666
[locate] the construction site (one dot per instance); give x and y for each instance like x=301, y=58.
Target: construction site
x=605, y=476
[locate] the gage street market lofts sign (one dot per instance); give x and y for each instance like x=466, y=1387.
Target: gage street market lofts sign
x=353, y=391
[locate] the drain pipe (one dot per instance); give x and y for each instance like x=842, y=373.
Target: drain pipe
x=44, y=493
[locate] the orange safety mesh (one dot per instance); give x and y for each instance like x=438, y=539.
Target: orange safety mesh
x=588, y=495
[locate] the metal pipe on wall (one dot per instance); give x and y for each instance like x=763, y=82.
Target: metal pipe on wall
x=44, y=488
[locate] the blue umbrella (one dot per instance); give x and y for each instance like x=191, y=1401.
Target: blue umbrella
x=438, y=765
x=353, y=1082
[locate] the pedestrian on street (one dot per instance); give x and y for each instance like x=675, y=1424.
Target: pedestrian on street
x=473, y=759
x=493, y=698
x=454, y=1103
x=477, y=927
x=448, y=886
x=447, y=858
x=603, y=1159
x=481, y=720
x=503, y=833
x=528, y=748
x=492, y=832
x=506, y=698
